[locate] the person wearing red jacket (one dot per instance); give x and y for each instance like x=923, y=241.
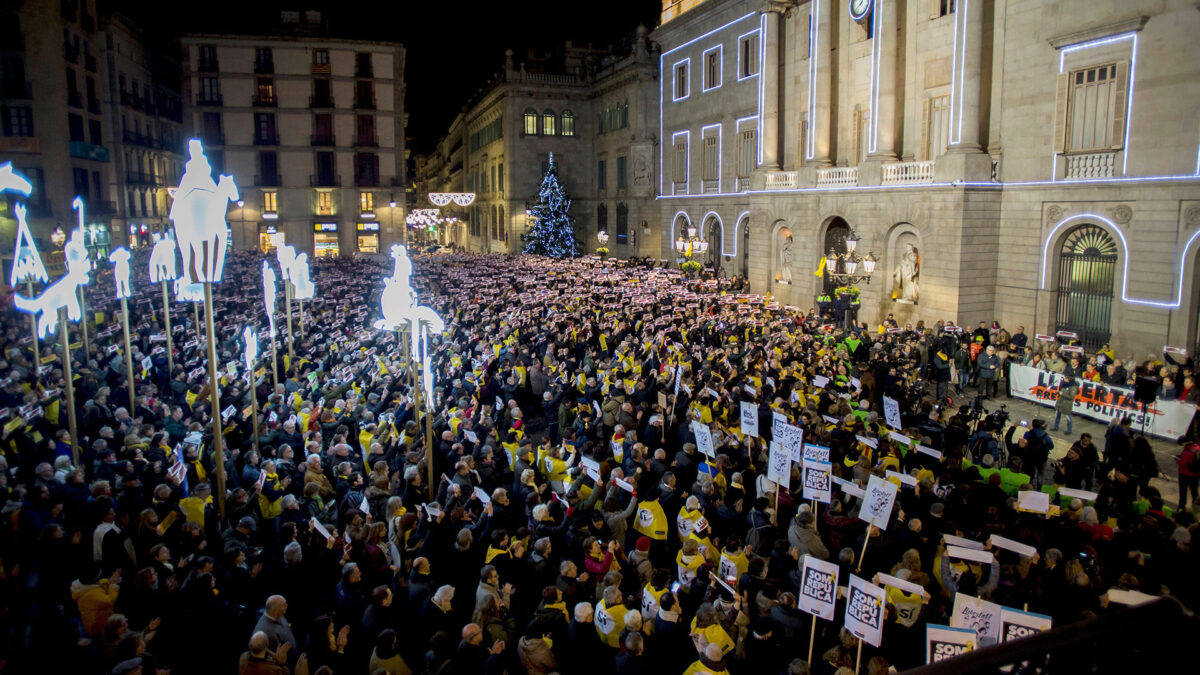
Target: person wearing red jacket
x=1189, y=472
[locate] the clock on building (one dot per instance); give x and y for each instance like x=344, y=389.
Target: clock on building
x=859, y=9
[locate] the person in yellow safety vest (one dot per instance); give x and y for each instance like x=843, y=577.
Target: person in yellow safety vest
x=734, y=560
x=270, y=497
x=711, y=662
x=610, y=617
x=652, y=594
x=687, y=561
x=651, y=520
x=708, y=627
x=689, y=513
x=555, y=468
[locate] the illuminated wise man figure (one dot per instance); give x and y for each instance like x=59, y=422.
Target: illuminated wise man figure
x=61, y=293
x=120, y=260
x=250, y=337
x=286, y=255
x=304, y=287
x=199, y=216
x=269, y=294
x=399, y=306
x=162, y=260
x=186, y=291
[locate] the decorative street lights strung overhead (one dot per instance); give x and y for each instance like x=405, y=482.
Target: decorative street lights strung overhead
x=850, y=268
x=688, y=248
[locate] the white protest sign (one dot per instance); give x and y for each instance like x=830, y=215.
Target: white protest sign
x=1082, y=495
x=1124, y=597
x=867, y=441
x=1015, y=546
x=649, y=604
x=818, y=588
x=704, y=441
x=819, y=381
x=1033, y=502
x=960, y=542
x=364, y=505
x=864, y=610
x=777, y=420
x=936, y=454
x=470, y=436
x=319, y=528
x=779, y=465
x=900, y=438
x=1015, y=624
x=792, y=440
x=817, y=483
x=624, y=485
x=947, y=642
x=891, y=412
x=983, y=557
x=905, y=479
x=897, y=582
x=981, y=616
x=482, y=496
x=816, y=452
x=749, y=419
x=877, y=504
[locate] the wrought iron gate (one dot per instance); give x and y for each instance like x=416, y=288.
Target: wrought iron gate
x=1087, y=268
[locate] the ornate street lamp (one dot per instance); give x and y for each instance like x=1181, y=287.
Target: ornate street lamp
x=689, y=248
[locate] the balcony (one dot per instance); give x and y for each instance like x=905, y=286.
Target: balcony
x=140, y=178
x=82, y=150
x=324, y=180
x=265, y=67
x=366, y=180
x=266, y=139
x=265, y=100
x=838, y=176
x=208, y=65
x=320, y=101
x=679, y=188
x=743, y=183
x=267, y=180
x=322, y=140
x=16, y=89
x=781, y=180
x=1092, y=165
x=365, y=102
x=209, y=98
x=710, y=186
x=908, y=173
x=361, y=141
x=214, y=138
x=136, y=138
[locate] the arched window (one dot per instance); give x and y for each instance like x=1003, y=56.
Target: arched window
x=568, y=123
x=503, y=226
x=601, y=217
x=835, y=240
x=530, y=118
x=549, y=123
x=1087, y=272
x=622, y=223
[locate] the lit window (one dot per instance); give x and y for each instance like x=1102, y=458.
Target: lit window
x=568, y=123
x=945, y=7
x=549, y=122
x=679, y=169
x=367, y=199
x=531, y=121
x=321, y=57
x=270, y=201
x=681, y=80
x=324, y=203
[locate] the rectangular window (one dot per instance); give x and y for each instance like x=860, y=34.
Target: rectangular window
x=530, y=123
x=1096, y=101
x=320, y=57
x=212, y=129
x=266, y=91
x=262, y=56
x=549, y=123
x=326, y=168
x=568, y=123
x=602, y=174
x=679, y=169
x=680, y=80
x=622, y=224
x=270, y=201
x=75, y=127
x=364, y=94
x=362, y=62
x=208, y=57
x=944, y=7
x=366, y=202
x=747, y=152
x=712, y=158
x=264, y=129
x=210, y=90
x=365, y=126
x=82, y=186
x=268, y=168
x=621, y=172
x=748, y=55
x=366, y=169
x=18, y=121
x=939, y=126
x=324, y=203
x=95, y=132
x=323, y=128
x=712, y=67
x=322, y=93
x=500, y=177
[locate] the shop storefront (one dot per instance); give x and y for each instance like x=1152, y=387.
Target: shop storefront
x=368, y=237
x=325, y=240
x=269, y=237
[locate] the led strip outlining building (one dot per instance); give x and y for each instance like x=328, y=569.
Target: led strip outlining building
x=1099, y=42
x=814, y=15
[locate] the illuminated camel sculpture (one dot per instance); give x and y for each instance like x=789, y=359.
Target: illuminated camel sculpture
x=61, y=293
x=199, y=216
x=399, y=305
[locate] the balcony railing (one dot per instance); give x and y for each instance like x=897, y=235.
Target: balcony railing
x=264, y=66
x=1092, y=165
x=905, y=173
x=324, y=180
x=136, y=138
x=320, y=101
x=679, y=188
x=366, y=141
x=82, y=150
x=266, y=99
x=366, y=180
x=208, y=99
x=266, y=139
x=839, y=176
x=321, y=140
x=140, y=178
x=268, y=180
x=781, y=180
x=743, y=183
x=365, y=102
x=710, y=187
x=208, y=66
x=15, y=89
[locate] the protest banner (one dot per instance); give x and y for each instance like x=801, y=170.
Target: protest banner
x=817, y=484
x=947, y=642
x=791, y=437
x=1103, y=402
x=816, y=452
x=864, y=611
x=891, y=412
x=818, y=592
x=779, y=466
x=704, y=441
x=778, y=419
x=1016, y=624
x=981, y=616
x=749, y=419
x=877, y=507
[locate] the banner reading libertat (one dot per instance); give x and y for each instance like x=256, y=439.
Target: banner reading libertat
x=1166, y=419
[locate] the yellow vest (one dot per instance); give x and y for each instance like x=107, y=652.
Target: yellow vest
x=714, y=634
x=733, y=564
x=610, y=623
x=686, y=569
x=193, y=509
x=685, y=522
x=651, y=521
x=269, y=508
x=651, y=597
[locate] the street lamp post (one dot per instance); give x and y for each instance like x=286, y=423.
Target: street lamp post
x=848, y=270
x=688, y=248
x=602, y=237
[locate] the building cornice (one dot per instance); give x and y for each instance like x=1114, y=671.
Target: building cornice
x=1089, y=34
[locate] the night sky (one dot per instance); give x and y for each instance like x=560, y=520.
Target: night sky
x=453, y=47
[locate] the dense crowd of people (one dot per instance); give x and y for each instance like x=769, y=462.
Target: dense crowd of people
x=572, y=524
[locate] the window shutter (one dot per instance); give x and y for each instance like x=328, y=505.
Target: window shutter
x=935, y=9
x=1060, y=113
x=923, y=151
x=1120, y=105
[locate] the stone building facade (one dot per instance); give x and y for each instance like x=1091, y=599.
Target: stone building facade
x=1028, y=161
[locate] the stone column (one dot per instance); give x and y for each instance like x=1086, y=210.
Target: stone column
x=820, y=72
x=772, y=88
x=964, y=159
x=886, y=17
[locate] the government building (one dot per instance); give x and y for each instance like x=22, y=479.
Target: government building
x=1026, y=161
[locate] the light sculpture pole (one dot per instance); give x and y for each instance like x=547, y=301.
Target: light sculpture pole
x=399, y=308
x=270, y=298
x=202, y=234
x=162, y=271
x=120, y=260
x=250, y=338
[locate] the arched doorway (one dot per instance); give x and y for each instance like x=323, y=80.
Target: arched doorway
x=714, y=236
x=1087, y=271
x=745, y=228
x=835, y=240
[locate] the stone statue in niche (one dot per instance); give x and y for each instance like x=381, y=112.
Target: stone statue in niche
x=641, y=170
x=907, y=276
x=785, y=260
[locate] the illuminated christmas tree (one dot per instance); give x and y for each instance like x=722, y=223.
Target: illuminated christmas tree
x=552, y=233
